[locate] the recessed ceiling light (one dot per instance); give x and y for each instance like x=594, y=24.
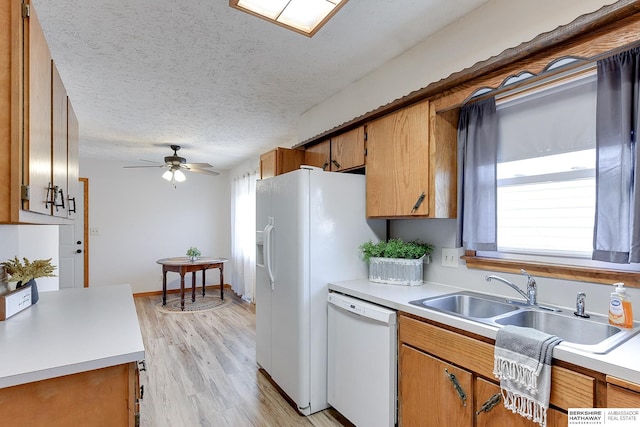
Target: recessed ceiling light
x=302, y=16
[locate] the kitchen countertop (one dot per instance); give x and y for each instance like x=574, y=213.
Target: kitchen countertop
x=70, y=331
x=621, y=362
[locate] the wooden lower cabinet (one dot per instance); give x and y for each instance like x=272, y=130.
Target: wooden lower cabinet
x=622, y=394
x=103, y=397
x=500, y=416
x=429, y=354
x=427, y=397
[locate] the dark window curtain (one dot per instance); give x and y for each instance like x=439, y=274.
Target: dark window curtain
x=616, y=235
x=477, y=153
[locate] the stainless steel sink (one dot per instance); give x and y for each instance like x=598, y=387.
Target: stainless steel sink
x=594, y=335
x=468, y=304
x=572, y=329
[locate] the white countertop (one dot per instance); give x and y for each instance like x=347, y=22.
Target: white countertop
x=622, y=362
x=70, y=331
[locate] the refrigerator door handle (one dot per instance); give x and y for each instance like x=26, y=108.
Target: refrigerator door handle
x=267, y=251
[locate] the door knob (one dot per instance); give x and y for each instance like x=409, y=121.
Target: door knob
x=79, y=242
x=78, y=251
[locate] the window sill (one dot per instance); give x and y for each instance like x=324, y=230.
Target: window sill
x=557, y=271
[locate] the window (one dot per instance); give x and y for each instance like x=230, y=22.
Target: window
x=546, y=169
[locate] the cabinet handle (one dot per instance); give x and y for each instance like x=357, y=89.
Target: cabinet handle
x=143, y=365
x=335, y=163
x=61, y=192
x=418, y=203
x=456, y=385
x=52, y=196
x=72, y=202
x=490, y=403
x=324, y=167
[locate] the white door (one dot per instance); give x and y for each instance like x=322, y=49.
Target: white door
x=72, y=247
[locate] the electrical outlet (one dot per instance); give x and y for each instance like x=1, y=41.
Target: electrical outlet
x=94, y=231
x=450, y=257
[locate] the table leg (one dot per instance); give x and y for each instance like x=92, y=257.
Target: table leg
x=182, y=290
x=193, y=286
x=221, y=282
x=164, y=286
x=204, y=270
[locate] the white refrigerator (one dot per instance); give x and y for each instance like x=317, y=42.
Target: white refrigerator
x=309, y=226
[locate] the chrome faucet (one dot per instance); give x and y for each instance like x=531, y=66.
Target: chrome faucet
x=531, y=296
x=581, y=305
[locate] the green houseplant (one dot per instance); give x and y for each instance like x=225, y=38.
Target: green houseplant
x=396, y=261
x=193, y=253
x=25, y=272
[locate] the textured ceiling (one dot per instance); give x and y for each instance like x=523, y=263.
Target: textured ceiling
x=223, y=84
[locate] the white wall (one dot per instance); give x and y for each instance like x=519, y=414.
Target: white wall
x=486, y=32
x=33, y=242
x=143, y=218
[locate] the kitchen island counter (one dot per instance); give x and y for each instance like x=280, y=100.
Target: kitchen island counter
x=70, y=331
x=621, y=362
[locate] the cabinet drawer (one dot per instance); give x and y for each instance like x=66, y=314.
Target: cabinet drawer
x=569, y=389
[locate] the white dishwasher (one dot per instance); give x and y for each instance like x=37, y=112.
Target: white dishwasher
x=362, y=361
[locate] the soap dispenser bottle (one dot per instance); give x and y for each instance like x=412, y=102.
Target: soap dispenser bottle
x=620, y=312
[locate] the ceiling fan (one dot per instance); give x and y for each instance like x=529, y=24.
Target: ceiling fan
x=175, y=166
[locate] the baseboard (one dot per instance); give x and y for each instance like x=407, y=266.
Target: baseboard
x=177, y=291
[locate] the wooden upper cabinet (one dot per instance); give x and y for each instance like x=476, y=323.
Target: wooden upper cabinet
x=319, y=155
x=280, y=160
x=34, y=146
x=73, y=139
x=343, y=152
x=348, y=150
x=411, y=164
x=37, y=138
x=398, y=163
x=59, y=150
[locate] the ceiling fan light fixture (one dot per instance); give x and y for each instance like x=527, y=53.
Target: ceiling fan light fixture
x=168, y=175
x=179, y=176
x=302, y=16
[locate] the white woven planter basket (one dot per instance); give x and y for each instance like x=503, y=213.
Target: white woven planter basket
x=396, y=271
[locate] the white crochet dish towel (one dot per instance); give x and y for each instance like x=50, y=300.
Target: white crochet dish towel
x=522, y=362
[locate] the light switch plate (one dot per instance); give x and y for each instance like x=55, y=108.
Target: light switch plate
x=450, y=257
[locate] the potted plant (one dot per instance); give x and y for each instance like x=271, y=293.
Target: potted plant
x=25, y=272
x=193, y=253
x=396, y=261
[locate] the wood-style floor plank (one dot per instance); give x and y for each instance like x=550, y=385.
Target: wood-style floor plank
x=202, y=371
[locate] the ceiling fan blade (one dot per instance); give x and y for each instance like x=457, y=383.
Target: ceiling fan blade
x=144, y=166
x=197, y=165
x=204, y=171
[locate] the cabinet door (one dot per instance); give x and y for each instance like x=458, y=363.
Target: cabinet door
x=500, y=416
x=59, y=143
x=347, y=150
x=427, y=397
x=37, y=138
x=268, y=164
x=398, y=163
x=318, y=155
x=619, y=397
x=73, y=138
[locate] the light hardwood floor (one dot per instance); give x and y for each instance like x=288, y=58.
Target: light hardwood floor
x=202, y=371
